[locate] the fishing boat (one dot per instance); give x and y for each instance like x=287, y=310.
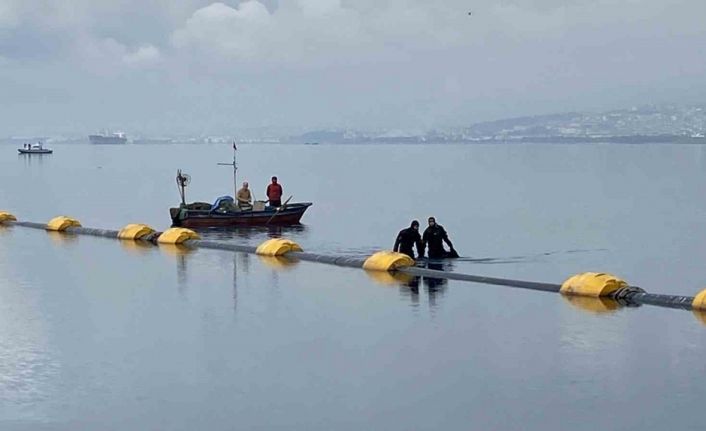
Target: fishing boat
x=225, y=212
x=37, y=148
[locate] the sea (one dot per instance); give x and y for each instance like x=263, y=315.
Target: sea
x=100, y=334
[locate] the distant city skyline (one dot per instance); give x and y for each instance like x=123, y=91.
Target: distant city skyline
x=668, y=123
x=199, y=67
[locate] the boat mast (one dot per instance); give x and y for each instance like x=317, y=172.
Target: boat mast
x=235, y=170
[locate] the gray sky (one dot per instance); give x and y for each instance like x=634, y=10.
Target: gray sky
x=193, y=66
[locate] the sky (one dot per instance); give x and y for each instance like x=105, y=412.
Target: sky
x=162, y=67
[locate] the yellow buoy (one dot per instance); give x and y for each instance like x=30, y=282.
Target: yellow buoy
x=135, y=231
x=61, y=223
x=277, y=247
x=387, y=261
x=699, y=302
x=6, y=216
x=177, y=235
x=593, y=284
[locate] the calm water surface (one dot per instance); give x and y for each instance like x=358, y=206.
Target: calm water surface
x=98, y=335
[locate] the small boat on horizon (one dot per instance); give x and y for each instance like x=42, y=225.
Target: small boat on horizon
x=37, y=148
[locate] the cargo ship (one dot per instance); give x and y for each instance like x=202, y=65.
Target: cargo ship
x=105, y=138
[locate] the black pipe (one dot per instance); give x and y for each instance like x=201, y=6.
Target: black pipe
x=29, y=224
x=668, y=301
x=105, y=233
x=628, y=296
x=546, y=287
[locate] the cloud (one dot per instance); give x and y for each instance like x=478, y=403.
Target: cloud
x=221, y=29
x=109, y=56
x=146, y=55
x=351, y=62
x=8, y=15
x=304, y=33
x=295, y=32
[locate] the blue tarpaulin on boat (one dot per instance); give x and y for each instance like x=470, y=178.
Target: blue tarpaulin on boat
x=221, y=199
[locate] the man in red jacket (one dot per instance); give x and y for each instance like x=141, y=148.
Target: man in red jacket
x=274, y=193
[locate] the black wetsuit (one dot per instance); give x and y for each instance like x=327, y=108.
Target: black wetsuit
x=434, y=236
x=406, y=240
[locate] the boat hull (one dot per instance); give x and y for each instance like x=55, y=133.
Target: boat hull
x=45, y=151
x=291, y=215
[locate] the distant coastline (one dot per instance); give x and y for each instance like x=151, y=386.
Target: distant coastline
x=410, y=140
x=639, y=125
x=435, y=140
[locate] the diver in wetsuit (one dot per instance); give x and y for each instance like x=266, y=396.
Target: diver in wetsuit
x=434, y=237
x=407, y=239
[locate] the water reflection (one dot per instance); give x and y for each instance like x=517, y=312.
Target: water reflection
x=255, y=235
x=176, y=249
x=252, y=232
x=62, y=238
x=593, y=305
x=700, y=316
x=410, y=291
x=139, y=248
x=245, y=260
x=234, y=292
x=182, y=276
x=278, y=262
x=30, y=159
x=434, y=287
x=390, y=278
x=184, y=254
x=181, y=253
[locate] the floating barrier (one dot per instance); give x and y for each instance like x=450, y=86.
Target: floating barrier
x=277, y=247
x=699, y=301
x=177, y=235
x=135, y=231
x=6, y=216
x=387, y=261
x=61, y=223
x=598, y=292
x=592, y=284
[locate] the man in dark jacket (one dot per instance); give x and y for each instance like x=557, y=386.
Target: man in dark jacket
x=274, y=193
x=408, y=238
x=434, y=237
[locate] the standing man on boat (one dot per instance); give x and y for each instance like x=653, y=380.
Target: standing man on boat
x=244, y=197
x=407, y=239
x=434, y=237
x=274, y=193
